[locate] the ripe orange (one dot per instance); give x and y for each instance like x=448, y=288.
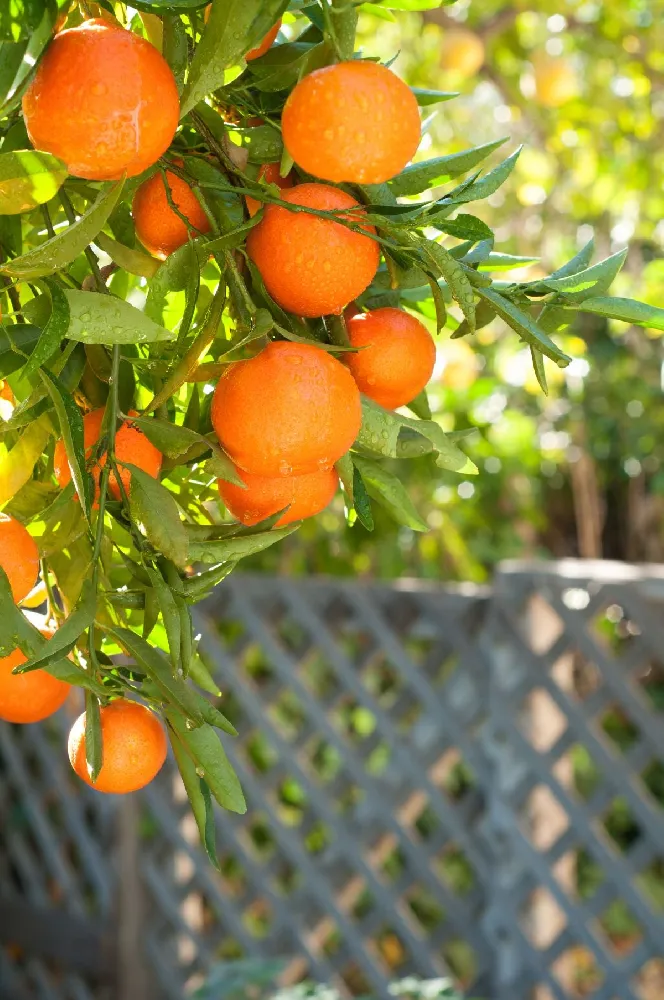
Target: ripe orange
x=29, y=697
x=131, y=445
x=104, y=100
x=462, y=52
x=310, y=265
x=19, y=556
x=304, y=496
x=261, y=49
x=290, y=410
x=355, y=121
x=134, y=744
x=555, y=81
x=158, y=227
x=268, y=172
x=397, y=358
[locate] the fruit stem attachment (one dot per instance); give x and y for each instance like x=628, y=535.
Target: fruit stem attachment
x=336, y=326
x=344, y=24
x=189, y=362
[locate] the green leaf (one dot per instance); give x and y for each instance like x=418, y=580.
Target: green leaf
x=172, y=276
x=381, y=429
x=67, y=635
x=420, y=406
x=505, y=262
x=442, y=263
x=465, y=227
x=155, y=508
x=176, y=48
x=198, y=793
x=578, y=263
x=361, y=501
x=94, y=749
x=21, y=68
x=96, y=318
x=227, y=549
x=486, y=185
x=425, y=97
x=54, y=331
x=134, y=261
x=421, y=176
x=390, y=492
x=625, y=310
x=523, y=324
x=538, y=366
x=65, y=246
x=578, y=286
x=28, y=178
x=234, y=27
x=17, y=464
x=200, y=675
x=71, y=431
x=169, y=612
x=204, y=748
x=174, y=440
x=197, y=587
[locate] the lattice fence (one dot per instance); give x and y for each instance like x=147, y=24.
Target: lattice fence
x=438, y=779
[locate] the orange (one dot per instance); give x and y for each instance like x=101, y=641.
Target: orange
x=19, y=556
x=310, y=265
x=131, y=445
x=158, y=227
x=397, y=358
x=462, y=52
x=6, y=391
x=555, y=81
x=304, y=496
x=29, y=697
x=261, y=49
x=104, y=100
x=269, y=172
x=290, y=410
x=134, y=743
x=355, y=122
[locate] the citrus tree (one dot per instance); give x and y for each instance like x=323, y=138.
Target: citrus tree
x=221, y=273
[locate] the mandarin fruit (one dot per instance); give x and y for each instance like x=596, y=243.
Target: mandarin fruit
x=290, y=410
x=131, y=445
x=158, y=227
x=104, y=100
x=29, y=697
x=462, y=52
x=134, y=743
x=304, y=496
x=269, y=172
x=397, y=356
x=556, y=82
x=19, y=556
x=310, y=265
x=261, y=49
x=355, y=121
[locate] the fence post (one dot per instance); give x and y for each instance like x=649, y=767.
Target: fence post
x=133, y=979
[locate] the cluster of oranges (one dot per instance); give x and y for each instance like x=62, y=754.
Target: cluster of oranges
x=105, y=101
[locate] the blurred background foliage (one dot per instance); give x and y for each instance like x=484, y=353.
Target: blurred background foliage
x=581, y=472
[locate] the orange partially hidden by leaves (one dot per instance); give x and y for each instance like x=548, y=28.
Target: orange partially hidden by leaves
x=556, y=82
x=19, y=556
x=310, y=265
x=158, y=227
x=261, y=49
x=462, y=52
x=131, y=445
x=104, y=100
x=268, y=172
x=290, y=410
x=304, y=496
x=134, y=747
x=397, y=356
x=29, y=697
x=355, y=121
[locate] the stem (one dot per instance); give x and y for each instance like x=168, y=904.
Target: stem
x=190, y=360
x=336, y=326
x=344, y=17
x=89, y=252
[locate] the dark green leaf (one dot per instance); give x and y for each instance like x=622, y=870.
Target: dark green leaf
x=361, y=501
x=176, y=48
x=390, y=492
x=465, y=227
x=578, y=263
x=67, y=635
x=21, y=68
x=70, y=419
x=424, y=97
x=486, y=185
x=134, y=261
x=94, y=750
x=17, y=341
x=204, y=748
x=523, y=324
x=54, y=331
x=421, y=176
x=539, y=369
x=155, y=508
x=169, y=612
x=441, y=263
x=625, y=310
x=198, y=794
x=237, y=548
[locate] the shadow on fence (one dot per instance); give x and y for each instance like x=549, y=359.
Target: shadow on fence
x=439, y=779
